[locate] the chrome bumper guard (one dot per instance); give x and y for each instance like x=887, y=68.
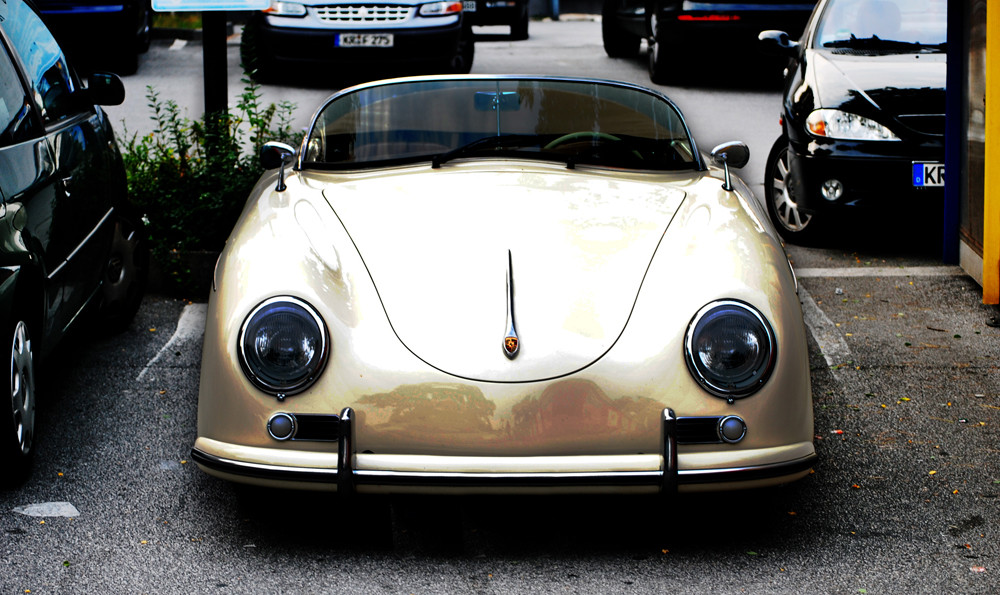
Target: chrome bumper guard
x=348, y=479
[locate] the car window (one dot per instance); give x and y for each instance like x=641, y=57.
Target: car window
x=16, y=118
x=49, y=76
x=577, y=121
x=922, y=22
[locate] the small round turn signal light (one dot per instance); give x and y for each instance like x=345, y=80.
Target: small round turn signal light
x=281, y=426
x=732, y=429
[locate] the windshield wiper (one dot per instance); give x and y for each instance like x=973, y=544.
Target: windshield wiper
x=495, y=143
x=875, y=43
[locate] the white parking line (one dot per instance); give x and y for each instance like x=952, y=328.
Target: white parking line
x=831, y=342
x=49, y=509
x=190, y=325
x=935, y=271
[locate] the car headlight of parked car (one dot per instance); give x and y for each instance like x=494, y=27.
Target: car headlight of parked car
x=440, y=9
x=833, y=123
x=283, y=346
x=730, y=349
x=286, y=9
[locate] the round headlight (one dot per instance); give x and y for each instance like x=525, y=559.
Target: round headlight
x=730, y=349
x=283, y=346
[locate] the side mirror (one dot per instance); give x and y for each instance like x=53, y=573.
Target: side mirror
x=732, y=154
x=277, y=155
x=778, y=43
x=104, y=88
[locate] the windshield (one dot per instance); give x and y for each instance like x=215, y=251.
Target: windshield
x=884, y=26
x=437, y=120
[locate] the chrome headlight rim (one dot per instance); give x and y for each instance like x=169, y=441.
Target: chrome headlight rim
x=755, y=381
x=313, y=372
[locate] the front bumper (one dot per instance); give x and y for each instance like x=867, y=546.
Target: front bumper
x=869, y=181
x=411, y=45
x=349, y=471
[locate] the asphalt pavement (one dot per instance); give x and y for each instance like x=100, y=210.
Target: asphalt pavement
x=904, y=498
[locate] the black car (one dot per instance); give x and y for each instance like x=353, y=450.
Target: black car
x=69, y=243
x=679, y=31
x=863, y=114
x=499, y=12
x=100, y=34
x=335, y=38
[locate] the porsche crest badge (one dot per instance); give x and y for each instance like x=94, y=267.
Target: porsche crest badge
x=510, y=345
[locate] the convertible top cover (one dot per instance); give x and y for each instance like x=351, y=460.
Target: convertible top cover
x=439, y=119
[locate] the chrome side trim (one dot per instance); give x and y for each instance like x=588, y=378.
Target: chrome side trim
x=80, y=246
x=511, y=343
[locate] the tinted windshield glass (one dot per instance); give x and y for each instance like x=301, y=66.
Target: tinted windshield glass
x=572, y=121
x=918, y=22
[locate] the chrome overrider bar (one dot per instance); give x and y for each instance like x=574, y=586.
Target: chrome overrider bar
x=347, y=478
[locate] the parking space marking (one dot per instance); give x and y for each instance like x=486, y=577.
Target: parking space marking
x=831, y=341
x=838, y=272
x=190, y=325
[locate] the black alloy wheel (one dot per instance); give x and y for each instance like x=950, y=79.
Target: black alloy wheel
x=18, y=416
x=779, y=192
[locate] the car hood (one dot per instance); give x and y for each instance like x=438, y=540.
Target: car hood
x=438, y=245
x=895, y=84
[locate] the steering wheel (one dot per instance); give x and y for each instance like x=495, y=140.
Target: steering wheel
x=581, y=135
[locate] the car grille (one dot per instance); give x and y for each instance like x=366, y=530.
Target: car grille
x=363, y=13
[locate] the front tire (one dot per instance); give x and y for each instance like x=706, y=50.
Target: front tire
x=658, y=56
x=126, y=274
x=19, y=413
x=618, y=43
x=465, y=53
x=779, y=192
x=519, y=29
x=255, y=60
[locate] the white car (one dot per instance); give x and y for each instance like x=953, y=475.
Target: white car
x=356, y=37
x=504, y=284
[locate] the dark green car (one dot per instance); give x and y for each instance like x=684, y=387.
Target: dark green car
x=69, y=242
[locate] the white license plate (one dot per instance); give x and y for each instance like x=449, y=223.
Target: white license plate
x=469, y=5
x=364, y=40
x=926, y=175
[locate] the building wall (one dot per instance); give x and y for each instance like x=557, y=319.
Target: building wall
x=991, y=193
x=979, y=204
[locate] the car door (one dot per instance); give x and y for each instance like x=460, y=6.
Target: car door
x=26, y=169
x=68, y=206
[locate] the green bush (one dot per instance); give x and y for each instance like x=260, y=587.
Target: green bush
x=190, y=179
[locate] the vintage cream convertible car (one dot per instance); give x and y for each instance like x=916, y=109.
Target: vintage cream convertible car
x=503, y=284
